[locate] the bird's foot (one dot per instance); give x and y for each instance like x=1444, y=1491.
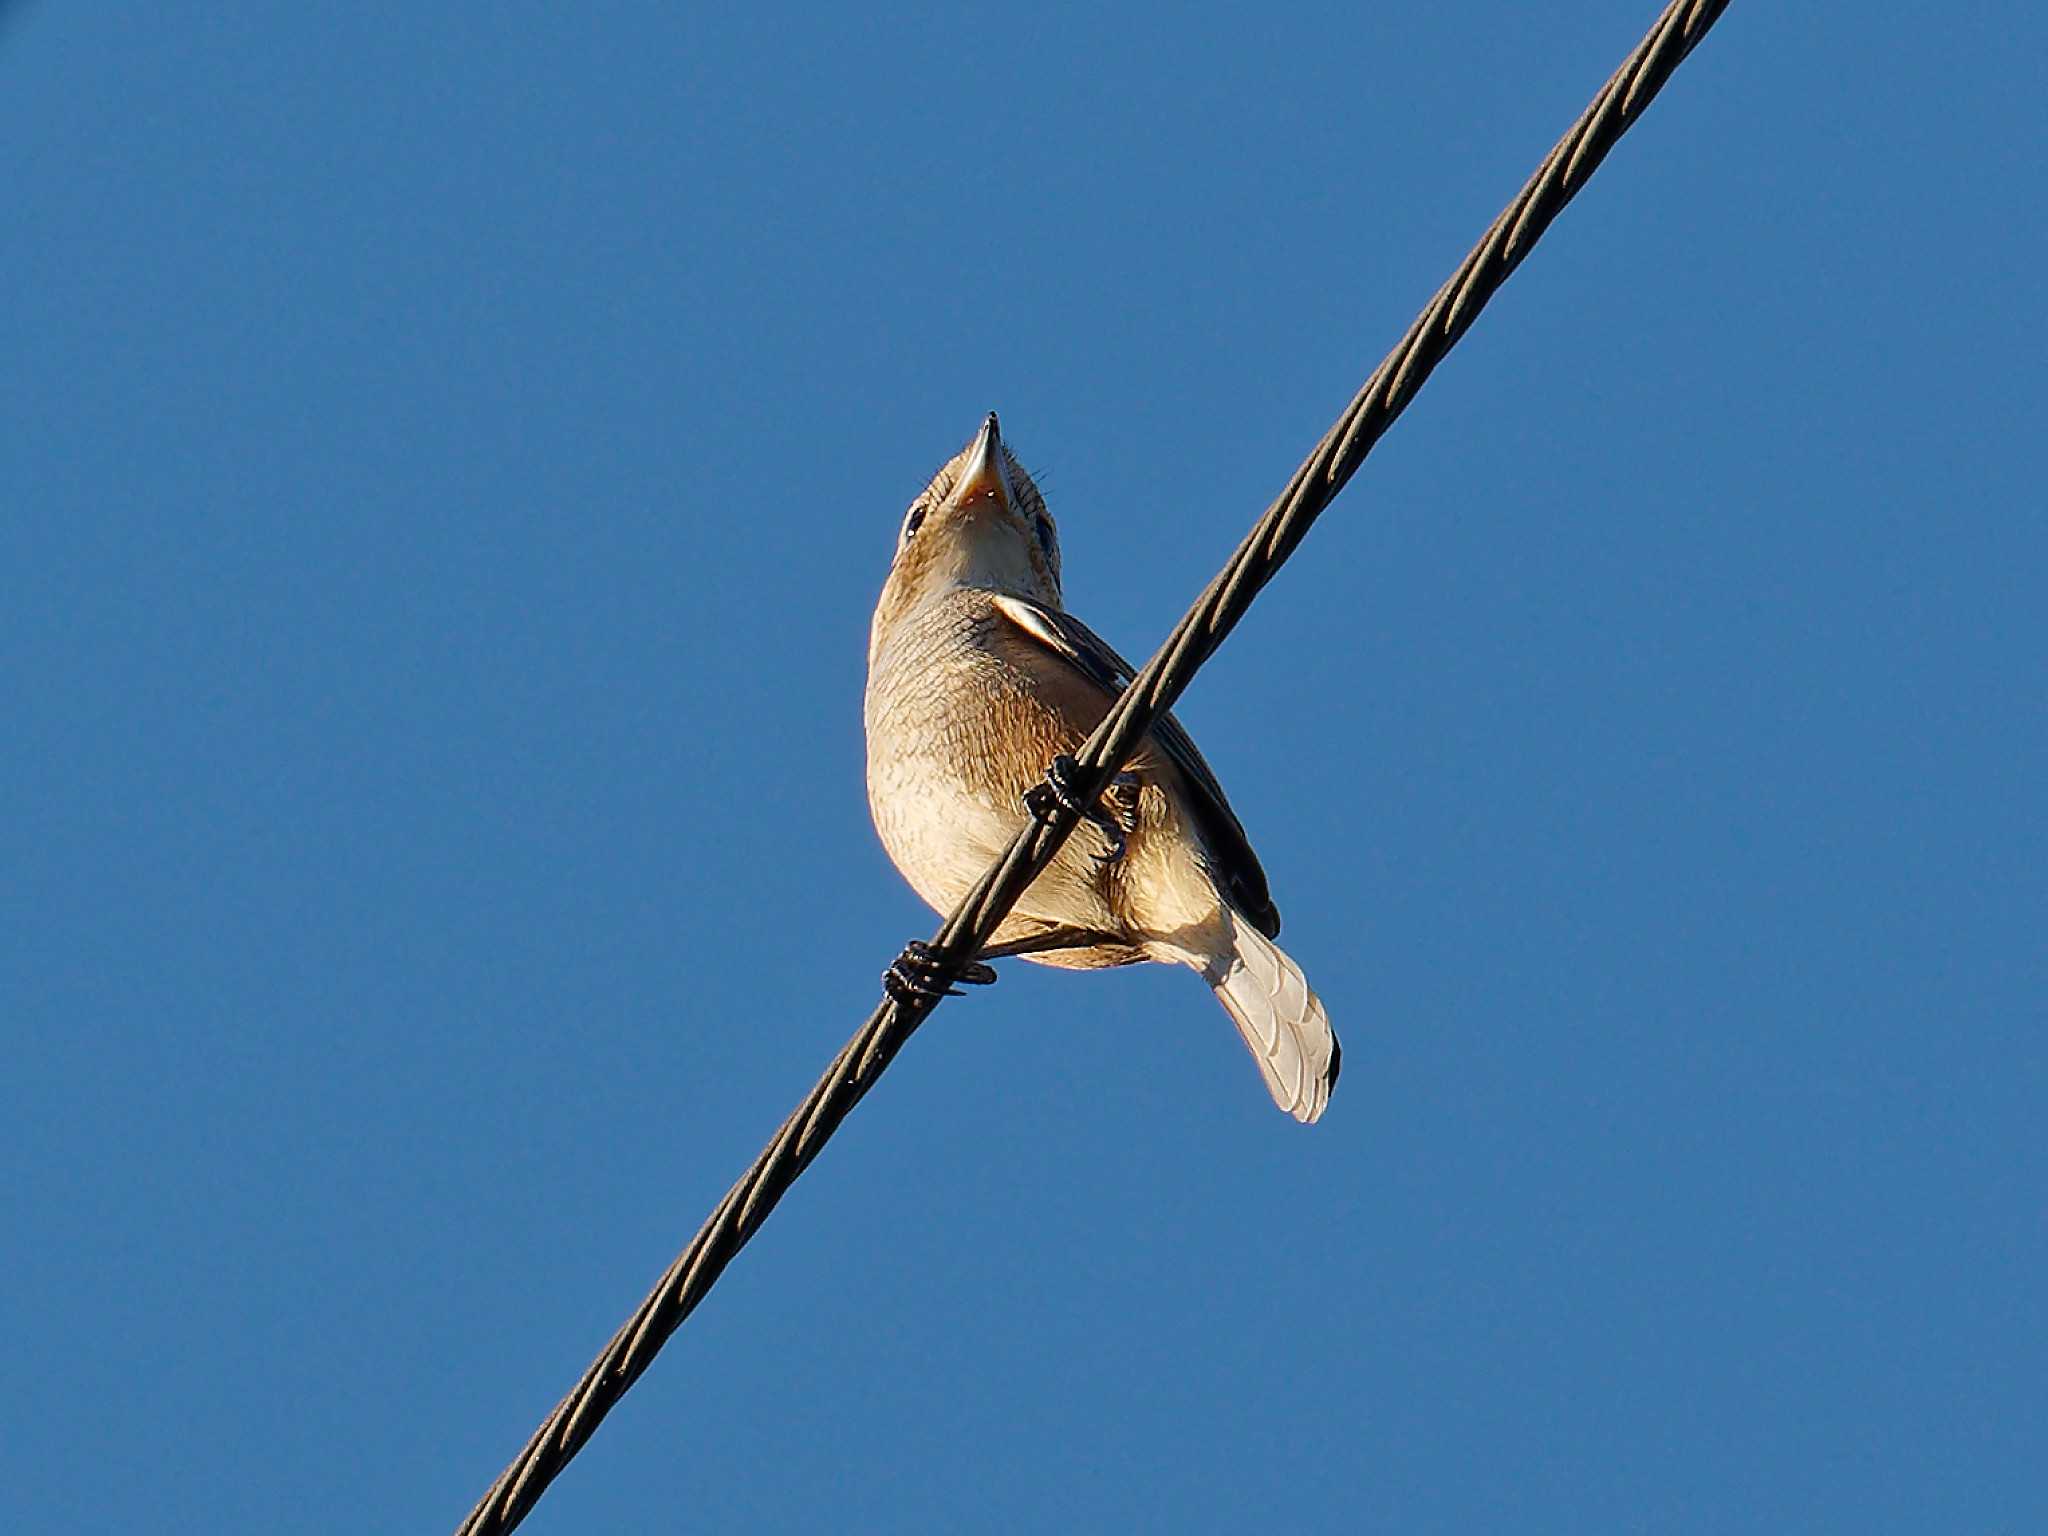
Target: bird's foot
x=1058, y=791
x=913, y=976
x=1120, y=803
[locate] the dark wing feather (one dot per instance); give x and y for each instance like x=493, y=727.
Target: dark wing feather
x=1236, y=865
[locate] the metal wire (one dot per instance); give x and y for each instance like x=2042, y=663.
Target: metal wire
x=1343, y=448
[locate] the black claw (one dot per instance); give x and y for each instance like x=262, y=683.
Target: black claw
x=1118, y=843
x=1058, y=790
x=912, y=977
x=1122, y=796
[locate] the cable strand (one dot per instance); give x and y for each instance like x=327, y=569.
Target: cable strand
x=1275, y=537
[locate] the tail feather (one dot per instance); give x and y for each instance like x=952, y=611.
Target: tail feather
x=1281, y=1018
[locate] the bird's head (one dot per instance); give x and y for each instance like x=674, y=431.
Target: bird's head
x=980, y=523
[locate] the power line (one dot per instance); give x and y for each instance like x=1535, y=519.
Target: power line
x=1215, y=613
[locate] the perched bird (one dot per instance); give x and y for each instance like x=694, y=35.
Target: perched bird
x=980, y=684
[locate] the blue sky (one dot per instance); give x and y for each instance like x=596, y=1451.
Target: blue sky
x=449, y=459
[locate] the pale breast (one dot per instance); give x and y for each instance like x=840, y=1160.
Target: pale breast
x=957, y=733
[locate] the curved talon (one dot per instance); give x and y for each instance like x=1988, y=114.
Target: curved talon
x=1118, y=843
x=1058, y=790
x=911, y=976
x=1060, y=774
x=1122, y=794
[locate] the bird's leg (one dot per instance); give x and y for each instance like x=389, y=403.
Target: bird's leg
x=913, y=976
x=1058, y=790
x=1050, y=939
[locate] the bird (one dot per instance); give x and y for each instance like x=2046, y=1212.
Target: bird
x=980, y=686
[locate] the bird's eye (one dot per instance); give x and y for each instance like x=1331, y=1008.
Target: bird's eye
x=913, y=522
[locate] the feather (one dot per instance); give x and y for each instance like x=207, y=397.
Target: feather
x=1236, y=866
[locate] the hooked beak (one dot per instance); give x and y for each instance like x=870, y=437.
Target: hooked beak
x=987, y=470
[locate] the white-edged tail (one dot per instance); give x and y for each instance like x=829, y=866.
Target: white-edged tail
x=1280, y=1017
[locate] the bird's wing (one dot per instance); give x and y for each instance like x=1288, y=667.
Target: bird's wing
x=1235, y=863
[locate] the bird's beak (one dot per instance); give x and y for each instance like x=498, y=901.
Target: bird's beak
x=987, y=471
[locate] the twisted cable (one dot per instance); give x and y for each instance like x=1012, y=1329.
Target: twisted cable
x=1215, y=613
